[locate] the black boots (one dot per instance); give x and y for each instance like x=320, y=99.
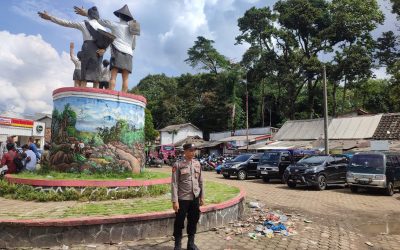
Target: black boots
x=178, y=243
x=190, y=243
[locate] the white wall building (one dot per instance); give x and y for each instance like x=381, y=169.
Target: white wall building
x=23, y=129
x=174, y=133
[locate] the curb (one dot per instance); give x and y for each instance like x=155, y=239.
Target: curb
x=118, y=218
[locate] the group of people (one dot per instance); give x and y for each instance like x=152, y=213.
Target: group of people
x=120, y=37
x=26, y=159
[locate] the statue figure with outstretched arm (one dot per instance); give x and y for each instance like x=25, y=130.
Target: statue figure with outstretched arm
x=96, y=41
x=122, y=47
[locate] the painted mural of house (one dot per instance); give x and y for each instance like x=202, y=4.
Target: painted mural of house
x=175, y=133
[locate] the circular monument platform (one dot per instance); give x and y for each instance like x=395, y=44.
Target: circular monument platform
x=96, y=128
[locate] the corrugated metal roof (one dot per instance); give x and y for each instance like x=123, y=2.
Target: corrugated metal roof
x=172, y=128
x=239, y=138
x=288, y=145
x=359, y=127
x=301, y=130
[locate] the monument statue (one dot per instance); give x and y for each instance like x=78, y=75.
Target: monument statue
x=77, y=62
x=122, y=47
x=96, y=40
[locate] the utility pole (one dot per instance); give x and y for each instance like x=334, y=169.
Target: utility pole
x=326, y=114
x=247, y=117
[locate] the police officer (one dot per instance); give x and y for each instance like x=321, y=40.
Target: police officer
x=187, y=195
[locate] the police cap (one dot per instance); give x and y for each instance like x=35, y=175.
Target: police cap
x=189, y=146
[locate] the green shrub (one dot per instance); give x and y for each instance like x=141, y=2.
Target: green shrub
x=28, y=193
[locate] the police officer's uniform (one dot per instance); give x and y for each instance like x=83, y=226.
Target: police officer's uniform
x=187, y=189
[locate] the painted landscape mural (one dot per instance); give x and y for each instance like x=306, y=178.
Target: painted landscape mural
x=96, y=135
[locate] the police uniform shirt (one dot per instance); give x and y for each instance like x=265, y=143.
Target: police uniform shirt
x=187, y=181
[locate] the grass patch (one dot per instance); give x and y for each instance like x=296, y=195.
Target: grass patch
x=215, y=193
x=53, y=175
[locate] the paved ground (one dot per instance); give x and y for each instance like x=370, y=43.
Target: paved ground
x=340, y=220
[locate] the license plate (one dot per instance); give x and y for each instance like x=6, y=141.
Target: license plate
x=363, y=181
x=264, y=172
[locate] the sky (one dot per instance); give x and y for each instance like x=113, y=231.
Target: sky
x=34, y=53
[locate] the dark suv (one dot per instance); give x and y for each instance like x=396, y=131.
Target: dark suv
x=273, y=163
x=242, y=166
x=318, y=171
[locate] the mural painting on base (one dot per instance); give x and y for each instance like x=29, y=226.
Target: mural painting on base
x=97, y=133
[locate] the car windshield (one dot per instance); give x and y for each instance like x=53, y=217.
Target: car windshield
x=313, y=160
x=242, y=158
x=367, y=163
x=168, y=148
x=270, y=157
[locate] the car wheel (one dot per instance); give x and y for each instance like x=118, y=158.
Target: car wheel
x=321, y=183
x=241, y=175
x=226, y=176
x=291, y=184
x=354, y=189
x=265, y=179
x=389, y=189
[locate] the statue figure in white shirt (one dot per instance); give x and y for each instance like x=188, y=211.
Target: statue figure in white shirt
x=96, y=40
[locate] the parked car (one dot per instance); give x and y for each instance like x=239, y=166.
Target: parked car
x=242, y=166
x=375, y=170
x=318, y=171
x=273, y=163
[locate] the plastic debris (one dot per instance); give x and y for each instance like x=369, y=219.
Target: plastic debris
x=369, y=244
x=228, y=238
x=259, y=228
x=252, y=236
x=307, y=221
x=253, y=204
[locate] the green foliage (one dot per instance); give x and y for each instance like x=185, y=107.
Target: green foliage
x=150, y=133
x=205, y=56
x=28, y=193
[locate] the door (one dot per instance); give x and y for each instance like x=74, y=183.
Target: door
x=397, y=171
x=252, y=165
x=284, y=162
x=390, y=167
x=342, y=163
x=331, y=170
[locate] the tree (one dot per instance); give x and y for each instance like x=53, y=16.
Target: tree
x=150, y=133
x=205, y=56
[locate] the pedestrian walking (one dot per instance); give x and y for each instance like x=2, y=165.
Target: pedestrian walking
x=187, y=195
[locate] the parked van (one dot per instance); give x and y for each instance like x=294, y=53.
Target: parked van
x=378, y=170
x=273, y=163
x=162, y=152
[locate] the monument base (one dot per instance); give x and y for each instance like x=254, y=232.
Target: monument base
x=96, y=130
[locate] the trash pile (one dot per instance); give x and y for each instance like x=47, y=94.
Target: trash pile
x=262, y=222
x=270, y=223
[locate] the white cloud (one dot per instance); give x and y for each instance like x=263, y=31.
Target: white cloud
x=31, y=70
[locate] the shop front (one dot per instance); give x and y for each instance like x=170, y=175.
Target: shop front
x=22, y=129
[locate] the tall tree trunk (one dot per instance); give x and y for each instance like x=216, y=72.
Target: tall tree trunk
x=310, y=104
x=262, y=104
x=334, y=104
x=344, y=94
